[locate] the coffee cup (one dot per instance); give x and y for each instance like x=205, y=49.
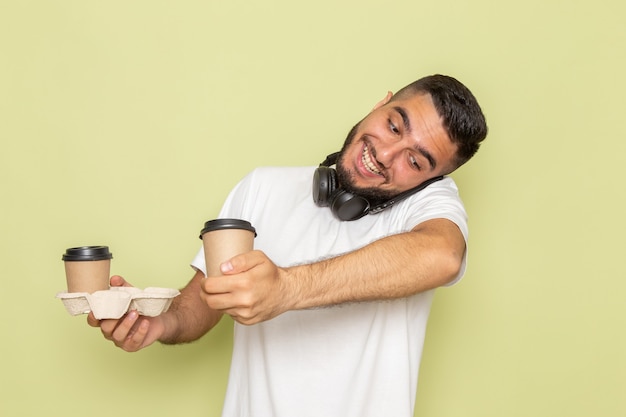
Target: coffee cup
x=87, y=268
x=224, y=238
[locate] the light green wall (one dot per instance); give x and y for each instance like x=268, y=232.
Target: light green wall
x=126, y=123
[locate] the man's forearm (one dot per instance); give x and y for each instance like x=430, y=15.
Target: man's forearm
x=393, y=267
x=188, y=318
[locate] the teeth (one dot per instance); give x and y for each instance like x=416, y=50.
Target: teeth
x=367, y=162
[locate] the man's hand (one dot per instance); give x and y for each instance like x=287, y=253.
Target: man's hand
x=252, y=289
x=131, y=332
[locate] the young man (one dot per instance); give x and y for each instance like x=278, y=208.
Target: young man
x=331, y=313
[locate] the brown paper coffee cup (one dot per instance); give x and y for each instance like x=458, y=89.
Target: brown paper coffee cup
x=224, y=238
x=87, y=268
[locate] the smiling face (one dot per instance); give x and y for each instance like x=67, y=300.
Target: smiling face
x=398, y=146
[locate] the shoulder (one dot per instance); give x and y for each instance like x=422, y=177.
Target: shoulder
x=439, y=200
x=444, y=190
x=266, y=183
x=286, y=178
x=281, y=173
x=445, y=185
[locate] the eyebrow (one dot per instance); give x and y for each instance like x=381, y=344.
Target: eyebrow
x=407, y=126
x=405, y=118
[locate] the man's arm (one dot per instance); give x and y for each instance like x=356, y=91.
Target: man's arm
x=187, y=319
x=397, y=266
x=393, y=267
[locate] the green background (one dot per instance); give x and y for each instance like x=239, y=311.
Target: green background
x=126, y=123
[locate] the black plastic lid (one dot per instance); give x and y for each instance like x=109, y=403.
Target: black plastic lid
x=220, y=224
x=87, y=253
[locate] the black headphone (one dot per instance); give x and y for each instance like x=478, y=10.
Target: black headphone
x=347, y=206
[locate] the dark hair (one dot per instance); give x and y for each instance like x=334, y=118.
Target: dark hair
x=462, y=116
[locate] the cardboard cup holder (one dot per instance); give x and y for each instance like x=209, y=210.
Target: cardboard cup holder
x=117, y=301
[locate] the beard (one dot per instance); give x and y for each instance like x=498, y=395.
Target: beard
x=346, y=180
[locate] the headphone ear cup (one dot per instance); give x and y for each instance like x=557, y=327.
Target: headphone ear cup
x=324, y=185
x=347, y=206
x=343, y=204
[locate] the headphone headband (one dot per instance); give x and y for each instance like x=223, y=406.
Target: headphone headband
x=330, y=159
x=403, y=195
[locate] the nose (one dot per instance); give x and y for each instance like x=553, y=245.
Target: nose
x=387, y=151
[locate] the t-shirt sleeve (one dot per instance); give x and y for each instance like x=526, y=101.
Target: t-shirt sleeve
x=440, y=200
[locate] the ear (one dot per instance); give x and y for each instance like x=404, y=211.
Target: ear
x=383, y=101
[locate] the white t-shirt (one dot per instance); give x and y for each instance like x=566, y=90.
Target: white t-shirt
x=359, y=359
